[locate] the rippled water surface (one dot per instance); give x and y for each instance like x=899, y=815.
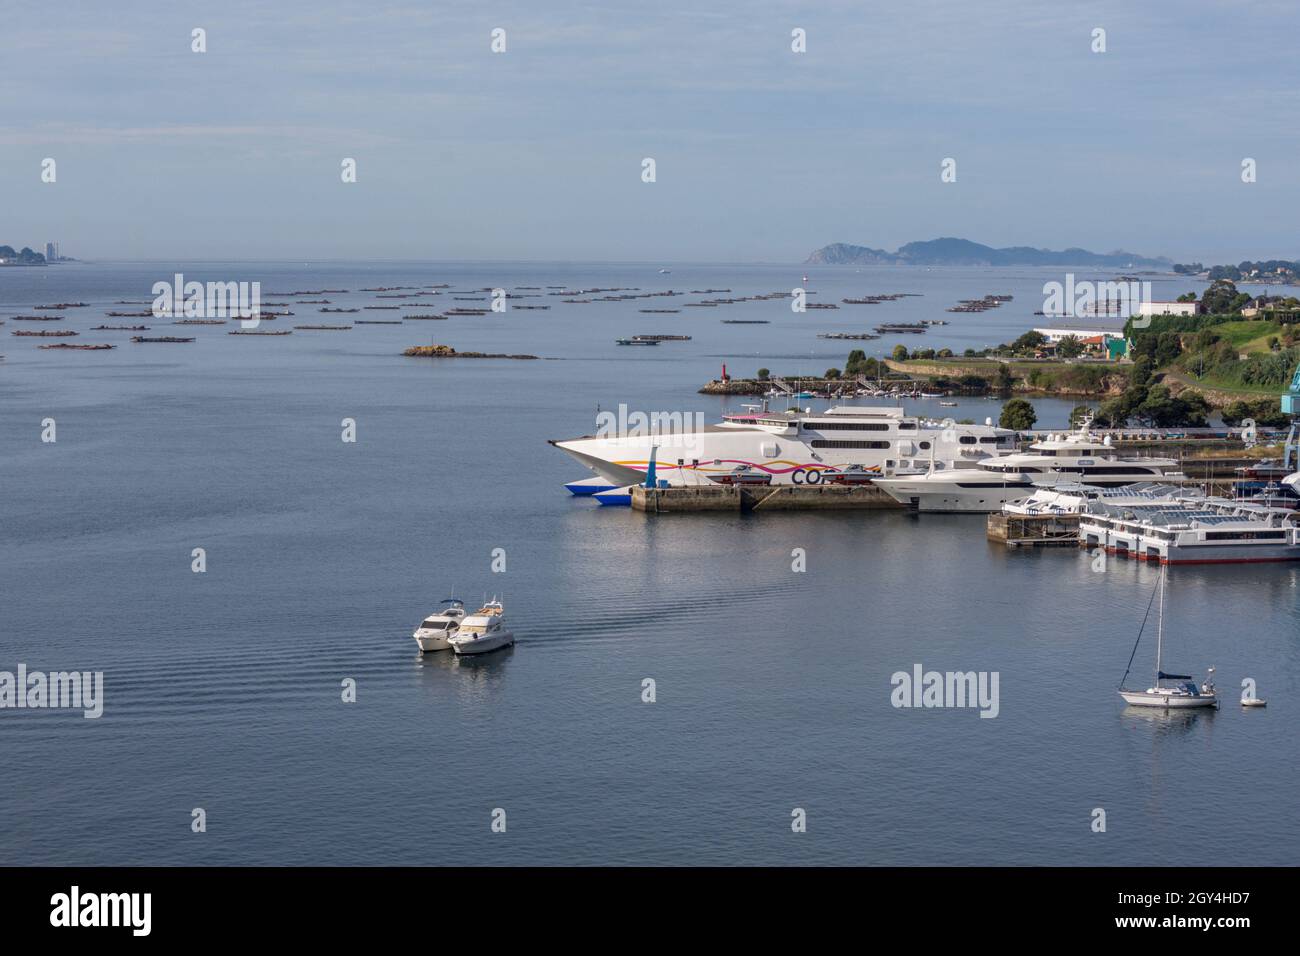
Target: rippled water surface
x=773, y=688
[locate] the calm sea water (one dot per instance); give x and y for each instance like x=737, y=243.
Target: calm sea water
x=223, y=689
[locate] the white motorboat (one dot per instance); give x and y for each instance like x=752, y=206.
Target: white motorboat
x=1182, y=693
x=434, y=630
x=483, y=631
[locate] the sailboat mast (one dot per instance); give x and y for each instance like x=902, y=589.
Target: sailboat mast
x=1160, y=625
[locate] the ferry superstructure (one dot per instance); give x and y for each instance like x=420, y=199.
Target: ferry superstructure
x=794, y=447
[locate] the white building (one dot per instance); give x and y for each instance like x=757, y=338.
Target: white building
x=1054, y=336
x=1169, y=308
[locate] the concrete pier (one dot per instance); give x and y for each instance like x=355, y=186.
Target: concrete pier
x=743, y=498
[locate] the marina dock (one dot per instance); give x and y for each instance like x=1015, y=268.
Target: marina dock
x=742, y=498
x=1034, y=531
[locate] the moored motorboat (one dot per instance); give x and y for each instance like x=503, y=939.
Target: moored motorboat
x=743, y=475
x=435, y=630
x=852, y=475
x=483, y=631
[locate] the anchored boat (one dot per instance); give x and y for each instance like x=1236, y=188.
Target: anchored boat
x=483, y=631
x=1183, y=693
x=435, y=630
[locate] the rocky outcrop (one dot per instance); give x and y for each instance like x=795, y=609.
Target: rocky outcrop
x=446, y=351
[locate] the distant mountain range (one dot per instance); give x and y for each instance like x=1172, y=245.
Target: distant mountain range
x=963, y=252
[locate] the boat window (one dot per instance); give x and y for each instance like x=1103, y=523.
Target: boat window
x=836, y=443
x=1242, y=535
x=925, y=445
x=848, y=426
x=907, y=426
x=967, y=439
x=990, y=441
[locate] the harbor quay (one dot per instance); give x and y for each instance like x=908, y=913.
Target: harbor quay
x=732, y=498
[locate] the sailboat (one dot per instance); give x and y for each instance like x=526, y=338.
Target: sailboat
x=1183, y=692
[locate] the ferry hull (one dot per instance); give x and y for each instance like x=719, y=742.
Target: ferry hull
x=1203, y=554
x=589, y=486
x=926, y=497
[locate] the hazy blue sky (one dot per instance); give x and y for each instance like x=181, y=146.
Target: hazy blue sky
x=762, y=154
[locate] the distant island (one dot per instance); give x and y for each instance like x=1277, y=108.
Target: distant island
x=1270, y=271
x=963, y=252
x=24, y=257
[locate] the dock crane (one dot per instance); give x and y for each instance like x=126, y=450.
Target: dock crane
x=1291, y=406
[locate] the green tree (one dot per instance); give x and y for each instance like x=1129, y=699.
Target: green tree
x=1018, y=414
x=1222, y=297
x=1078, y=414
x=1161, y=409
x=1263, y=411
x=1069, y=347
x=832, y=373
x=1029, y=342
x=900, y=353
x=763, y=374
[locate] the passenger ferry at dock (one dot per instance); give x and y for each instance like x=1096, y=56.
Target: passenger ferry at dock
x=1213, y=531
x=800, y=447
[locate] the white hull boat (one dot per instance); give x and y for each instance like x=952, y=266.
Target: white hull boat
x=483, y=631
x=1169, y=698
x=435, y=631
x=1183, y=694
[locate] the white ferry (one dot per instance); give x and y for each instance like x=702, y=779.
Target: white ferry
x=1211, y=531
x=794, y=447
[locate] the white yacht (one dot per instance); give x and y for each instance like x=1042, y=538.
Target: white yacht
x=434, y=630
x=482, y=631
x=1184, y=693
x=1074, y=458
x=794, y=447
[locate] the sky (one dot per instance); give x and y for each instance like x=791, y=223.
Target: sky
x=761, y=154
